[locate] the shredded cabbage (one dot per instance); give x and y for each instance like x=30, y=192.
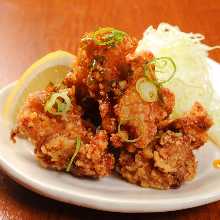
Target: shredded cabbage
x=192, y=79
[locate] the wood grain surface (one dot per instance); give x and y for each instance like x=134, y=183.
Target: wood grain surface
x=31, y=28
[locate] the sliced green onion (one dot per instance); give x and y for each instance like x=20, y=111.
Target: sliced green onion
x=62, y=107
x=106, y=36
x=147, y=90
x=78, y=145
x=165, y=69
x=125, y=122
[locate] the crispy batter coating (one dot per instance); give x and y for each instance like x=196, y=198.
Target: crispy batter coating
x=36, y=125
x=142, y=117
x=32, y=122
x=54, y=138
x=167, y=164
x=173, y=155
x=92, y=159
x=102, y=68
x=194, y=124
x=168, y=160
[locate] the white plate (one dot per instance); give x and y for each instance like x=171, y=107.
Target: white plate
x=110, y=193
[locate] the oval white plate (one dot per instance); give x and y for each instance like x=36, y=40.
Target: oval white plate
x=110, y=193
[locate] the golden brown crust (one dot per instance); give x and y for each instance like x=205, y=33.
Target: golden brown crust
x=167, y=164
x=168, y=160
x=54, y=138
x=142, y=116
x=93, y=159
x=194, y=124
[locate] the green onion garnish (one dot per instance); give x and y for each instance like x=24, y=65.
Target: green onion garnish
x=106, y=36
x=147, y=90
x=125, y=139
x=165, y=69
x=78, y=145
x=55, y=102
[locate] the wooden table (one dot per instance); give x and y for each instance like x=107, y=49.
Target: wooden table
x=29, y=29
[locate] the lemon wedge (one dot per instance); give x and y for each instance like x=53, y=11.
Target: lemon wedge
x=51, y=68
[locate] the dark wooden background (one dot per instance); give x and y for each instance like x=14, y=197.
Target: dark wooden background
x=31, y=28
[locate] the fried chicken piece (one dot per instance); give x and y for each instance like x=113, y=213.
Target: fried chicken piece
x=141, y=117
x=167, y=164
x=56, y=151
x=194, y=124
x=93, y=159
x=102, y=67
x=173, y=154
x=168, y=161
x=32, y=122
x=36, y=125
x=54, y=137
x=102, y=72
